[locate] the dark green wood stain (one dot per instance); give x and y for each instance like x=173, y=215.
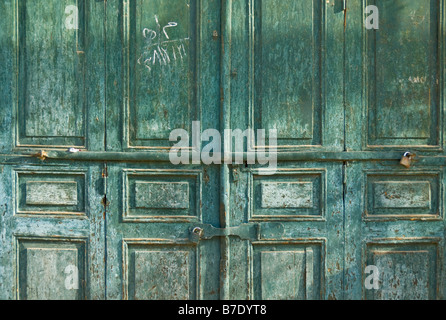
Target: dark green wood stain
x=114, y=219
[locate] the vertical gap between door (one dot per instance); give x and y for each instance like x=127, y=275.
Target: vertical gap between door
x=344, y=199
x=345, y=163
x=105, y=148
x=105, y=175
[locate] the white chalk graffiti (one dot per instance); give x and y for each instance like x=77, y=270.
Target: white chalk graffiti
x=160, y=49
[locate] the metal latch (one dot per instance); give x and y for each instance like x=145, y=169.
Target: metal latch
x=247, y=231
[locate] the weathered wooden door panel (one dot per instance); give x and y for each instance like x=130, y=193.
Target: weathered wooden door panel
x=53, y=79
x=168, y=74
x=152, y=212
x=52, y=97
x=131, y=225
x=52, y=243
x=297, y=252
x=282, y=72
x=397, y=225
x=161, y=69
x=394, y=215
x=166, y=78
x=403, y=74
x=285, y=73
x=400, y=67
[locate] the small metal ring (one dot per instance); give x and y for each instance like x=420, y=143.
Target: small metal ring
x=197, y=230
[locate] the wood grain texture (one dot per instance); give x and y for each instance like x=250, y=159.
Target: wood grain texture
x=347, y=103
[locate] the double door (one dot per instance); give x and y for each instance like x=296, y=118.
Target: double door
x=93, y=207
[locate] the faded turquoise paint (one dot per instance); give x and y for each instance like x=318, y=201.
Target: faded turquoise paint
x=398, y=107
x=52, y=242
x=286, y=56
x=130, y=225
x=166, y=77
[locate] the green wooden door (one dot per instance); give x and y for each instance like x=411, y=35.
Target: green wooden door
x=285, y=56
x=92, y=207
x=394, y=216
x=163, y=74
x=51, y=98
x=217, y=231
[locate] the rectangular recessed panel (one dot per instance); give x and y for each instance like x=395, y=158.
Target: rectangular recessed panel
x=286, y=271
x=162, y=195
x=404, y=194
x=283, y=275
x=404, y=73
x=406, y=271
x=161, y=275
x=287, y=195
x=161, y=69
x=51, y=73
x=159, y=270
x=51, y=193
x=404, y=275
x=51, y=270
x=287, y=70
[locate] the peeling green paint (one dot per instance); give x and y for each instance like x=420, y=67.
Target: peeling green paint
x=347, y=103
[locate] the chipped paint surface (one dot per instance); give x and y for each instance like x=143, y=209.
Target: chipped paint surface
x=86, y=183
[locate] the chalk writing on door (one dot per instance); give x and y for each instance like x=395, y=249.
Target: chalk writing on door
x=160, y=48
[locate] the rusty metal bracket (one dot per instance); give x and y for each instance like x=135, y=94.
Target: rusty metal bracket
x=235, y=173
x=42, y=155
x=246, y=231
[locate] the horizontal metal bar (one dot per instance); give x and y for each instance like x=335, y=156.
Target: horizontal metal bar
x=237, y=158
x=164, y=155
x=247, y=231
